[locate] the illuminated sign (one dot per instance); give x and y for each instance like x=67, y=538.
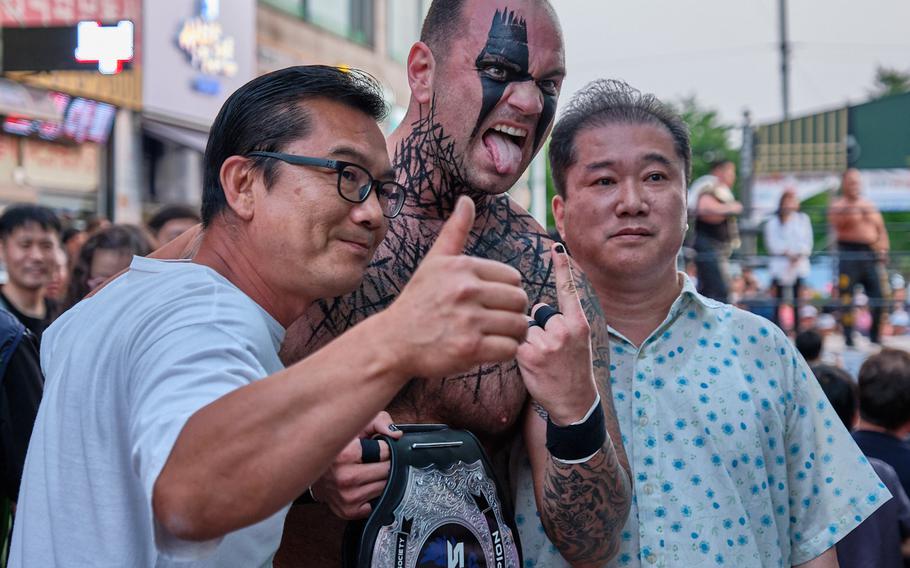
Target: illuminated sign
x=84, y=120
x=109, y=46
x=88, y=46
x=208, y=50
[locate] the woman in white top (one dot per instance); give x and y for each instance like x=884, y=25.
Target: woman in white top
x=788, y=238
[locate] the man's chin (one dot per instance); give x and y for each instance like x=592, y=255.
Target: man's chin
x=494, y=183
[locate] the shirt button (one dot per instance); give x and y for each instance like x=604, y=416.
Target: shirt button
x=643, y=420
x=651, y=558
x=649, y=489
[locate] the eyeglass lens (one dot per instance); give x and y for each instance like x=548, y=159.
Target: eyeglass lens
x=354, y=183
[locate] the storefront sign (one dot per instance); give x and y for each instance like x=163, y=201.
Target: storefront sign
x=83, y=120
x=108, y=46
x=123, y=89
x=194, y=56
x=207, y=48
x=65, y=12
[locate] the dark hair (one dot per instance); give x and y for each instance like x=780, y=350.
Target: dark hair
x=126, y=238
x=809, y=343
x=168, y=213
x=718, y=163
x=840, y=390
x=265, y=115
x=69, y=233
x=780, y=202
x=442, y=22
x=604, y=102
x=21, y=214
x=884, y=389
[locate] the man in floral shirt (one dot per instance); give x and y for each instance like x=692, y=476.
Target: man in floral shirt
x=737, y=457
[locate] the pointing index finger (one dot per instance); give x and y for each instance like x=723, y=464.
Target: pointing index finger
x=566, y=291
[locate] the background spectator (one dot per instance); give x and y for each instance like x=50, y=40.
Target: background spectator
x=170, y=221
x=877, y=542
x=788, y=237
x=29, y=237
x=884, y=408
x=103, y=255
x=57, y=288
x=809, y=344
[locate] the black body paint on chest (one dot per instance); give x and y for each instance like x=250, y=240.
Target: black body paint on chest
x=507, y=49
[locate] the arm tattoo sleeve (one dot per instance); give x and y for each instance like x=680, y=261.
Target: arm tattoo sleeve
x=585, y=505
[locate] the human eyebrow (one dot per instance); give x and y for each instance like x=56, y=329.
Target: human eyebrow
x=558, y=73
x=348, y=152
x=358, y=157
x=657, y=157
x=603, y=164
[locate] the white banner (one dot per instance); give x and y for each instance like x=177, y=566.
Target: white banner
x=889, y=190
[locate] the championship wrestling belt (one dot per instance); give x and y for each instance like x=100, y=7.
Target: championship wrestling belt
x=440, y=507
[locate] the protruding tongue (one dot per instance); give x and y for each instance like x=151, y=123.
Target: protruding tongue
x=506, y=154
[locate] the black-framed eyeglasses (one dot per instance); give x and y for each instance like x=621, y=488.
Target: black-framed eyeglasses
x=354, y=181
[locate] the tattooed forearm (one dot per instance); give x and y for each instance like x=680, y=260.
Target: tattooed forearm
x=585, y=507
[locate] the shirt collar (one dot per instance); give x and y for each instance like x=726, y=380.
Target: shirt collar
x=687, y=295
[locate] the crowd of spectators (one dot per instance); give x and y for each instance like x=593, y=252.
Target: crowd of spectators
x=51, y=262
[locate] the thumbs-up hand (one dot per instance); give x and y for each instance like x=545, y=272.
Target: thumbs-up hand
x=457, y=311
x=555, y=360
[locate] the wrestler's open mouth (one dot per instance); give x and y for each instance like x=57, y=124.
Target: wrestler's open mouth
x=505, y=144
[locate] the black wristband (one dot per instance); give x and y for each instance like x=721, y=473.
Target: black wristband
x=577, y=441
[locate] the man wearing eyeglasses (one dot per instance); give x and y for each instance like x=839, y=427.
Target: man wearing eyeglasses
x=170, y=432
x=484, y=82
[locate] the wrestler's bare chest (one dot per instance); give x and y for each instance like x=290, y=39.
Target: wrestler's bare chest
x=487, y=400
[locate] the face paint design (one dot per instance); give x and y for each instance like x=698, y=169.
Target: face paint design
x=504, y=60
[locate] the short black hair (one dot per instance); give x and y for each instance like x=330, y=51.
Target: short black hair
x=442, y=22
x=168, y=213
x=21, y=214
x=840, y=390
x=604, y=102
x=265, y=115
x=809, y=343
x=720, y=162
x=69, y=233
x=884, y=389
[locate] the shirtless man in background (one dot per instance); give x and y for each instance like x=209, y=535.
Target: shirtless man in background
x=862, y=241
x=484, y=82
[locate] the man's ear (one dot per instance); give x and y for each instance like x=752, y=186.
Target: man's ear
x=237, y=179
x=421, y=70
x=559, y=213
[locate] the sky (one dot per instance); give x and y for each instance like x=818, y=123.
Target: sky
x=726, y=52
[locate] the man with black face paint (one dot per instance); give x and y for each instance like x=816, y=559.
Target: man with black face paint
x=484, y=82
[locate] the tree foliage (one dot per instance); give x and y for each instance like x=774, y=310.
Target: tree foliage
x=710, y=136
x=889, y=82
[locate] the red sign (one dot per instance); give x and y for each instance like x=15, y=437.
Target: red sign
x=37, y=13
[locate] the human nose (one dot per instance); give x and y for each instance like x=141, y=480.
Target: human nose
x=369, y=211
x=34, y=252
x=631, y=199
x=526, y=98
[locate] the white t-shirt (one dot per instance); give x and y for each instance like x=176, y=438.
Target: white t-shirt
x=124, y=371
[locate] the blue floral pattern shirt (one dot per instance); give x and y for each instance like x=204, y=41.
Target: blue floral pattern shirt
x=737, y=457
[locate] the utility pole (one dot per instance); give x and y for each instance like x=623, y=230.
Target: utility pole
x=784, y=59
